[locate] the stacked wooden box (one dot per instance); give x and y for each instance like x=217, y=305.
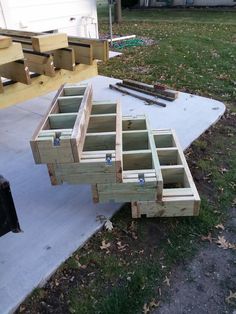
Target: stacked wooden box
x=25, y=55
x=83, y=141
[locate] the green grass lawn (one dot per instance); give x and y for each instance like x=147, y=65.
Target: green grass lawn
x=191, y=55
x=195, y=51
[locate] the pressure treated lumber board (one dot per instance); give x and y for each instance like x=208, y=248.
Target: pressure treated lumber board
x=41, y=85
x=83, y=52
x=5, y=41
x=12, y=53
x=1, y=86
x=180, y=196
x=64, y=59
x=44, y=43
x=39, y=63
x=100, y=46
x=16, y=71
x=168, y=207
x=56, y=138
x=100, y=160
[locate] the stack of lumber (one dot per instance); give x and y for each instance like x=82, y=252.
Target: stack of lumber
x=82, y=141
x=24, y=55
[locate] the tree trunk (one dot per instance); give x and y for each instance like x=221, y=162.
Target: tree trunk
x=118, y=12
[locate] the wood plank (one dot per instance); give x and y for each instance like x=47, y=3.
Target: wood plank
x=100, y=46
x=5, y=42
x=62, y=120
x=81, y=124
x=119, y=160
x=41, y=85
x=69, y=103
x=127, y=192
x=168, y=207
x=17, y=71
x=48, y=42
x=135, y=140
x=52, y=175
x=129, y=124
x=12, y=53
x=101, y=142
x=102, y=123
x=103, y=107
x=83, y=52
x=39, y=63
x=64, y=59
x=1, y=86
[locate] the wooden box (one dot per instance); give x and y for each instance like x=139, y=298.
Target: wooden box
x=100, y=160
x=141, y=176
x=180, y=196
x=61, y=134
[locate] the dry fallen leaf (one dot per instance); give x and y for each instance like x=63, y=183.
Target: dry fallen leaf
x=232, y=295
x=105, y=245
x=223, y=170
x=222, y=242
x=167, y=281
x=220, y=226
x=108, y=225
x=154, y=304
x=207, y=238
x=146, y=309
x=121, y=247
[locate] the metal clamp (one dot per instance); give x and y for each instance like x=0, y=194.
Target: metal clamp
x=141, y=178
x=109, y=159
x=57, y=140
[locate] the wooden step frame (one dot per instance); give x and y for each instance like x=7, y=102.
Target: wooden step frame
x=61, y=134
x=141, y=176
x=101, y=156
x=180, y=196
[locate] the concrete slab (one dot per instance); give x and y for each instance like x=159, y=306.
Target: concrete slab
x=58, y=220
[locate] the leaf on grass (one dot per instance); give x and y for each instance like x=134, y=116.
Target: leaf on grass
x=223, y=170
x=232, y=295
x=220, y=226
x=108, y=225
x=207, y=238
x=146, y=309
x=154, y=304
x=167, y=281
x=105, y=245
x=222, y=242
x=121, y=247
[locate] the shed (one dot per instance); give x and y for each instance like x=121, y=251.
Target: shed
x=75, y=17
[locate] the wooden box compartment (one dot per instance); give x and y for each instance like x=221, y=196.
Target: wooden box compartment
x=174, y=178
x=164, y=140
x=137, y=161
x=168, y=157
x=137, y=140
x=102, y=123
x=102, y=142
x=60, y=135
x=101, y=107
x=135, y=124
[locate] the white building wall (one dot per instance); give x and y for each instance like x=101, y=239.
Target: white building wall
x=75, y=17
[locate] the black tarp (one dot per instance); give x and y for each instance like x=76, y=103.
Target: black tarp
x=8, y=217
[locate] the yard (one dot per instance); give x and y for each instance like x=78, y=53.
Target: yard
x=148, y=264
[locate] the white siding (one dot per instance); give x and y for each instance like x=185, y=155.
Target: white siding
x=76, y=17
